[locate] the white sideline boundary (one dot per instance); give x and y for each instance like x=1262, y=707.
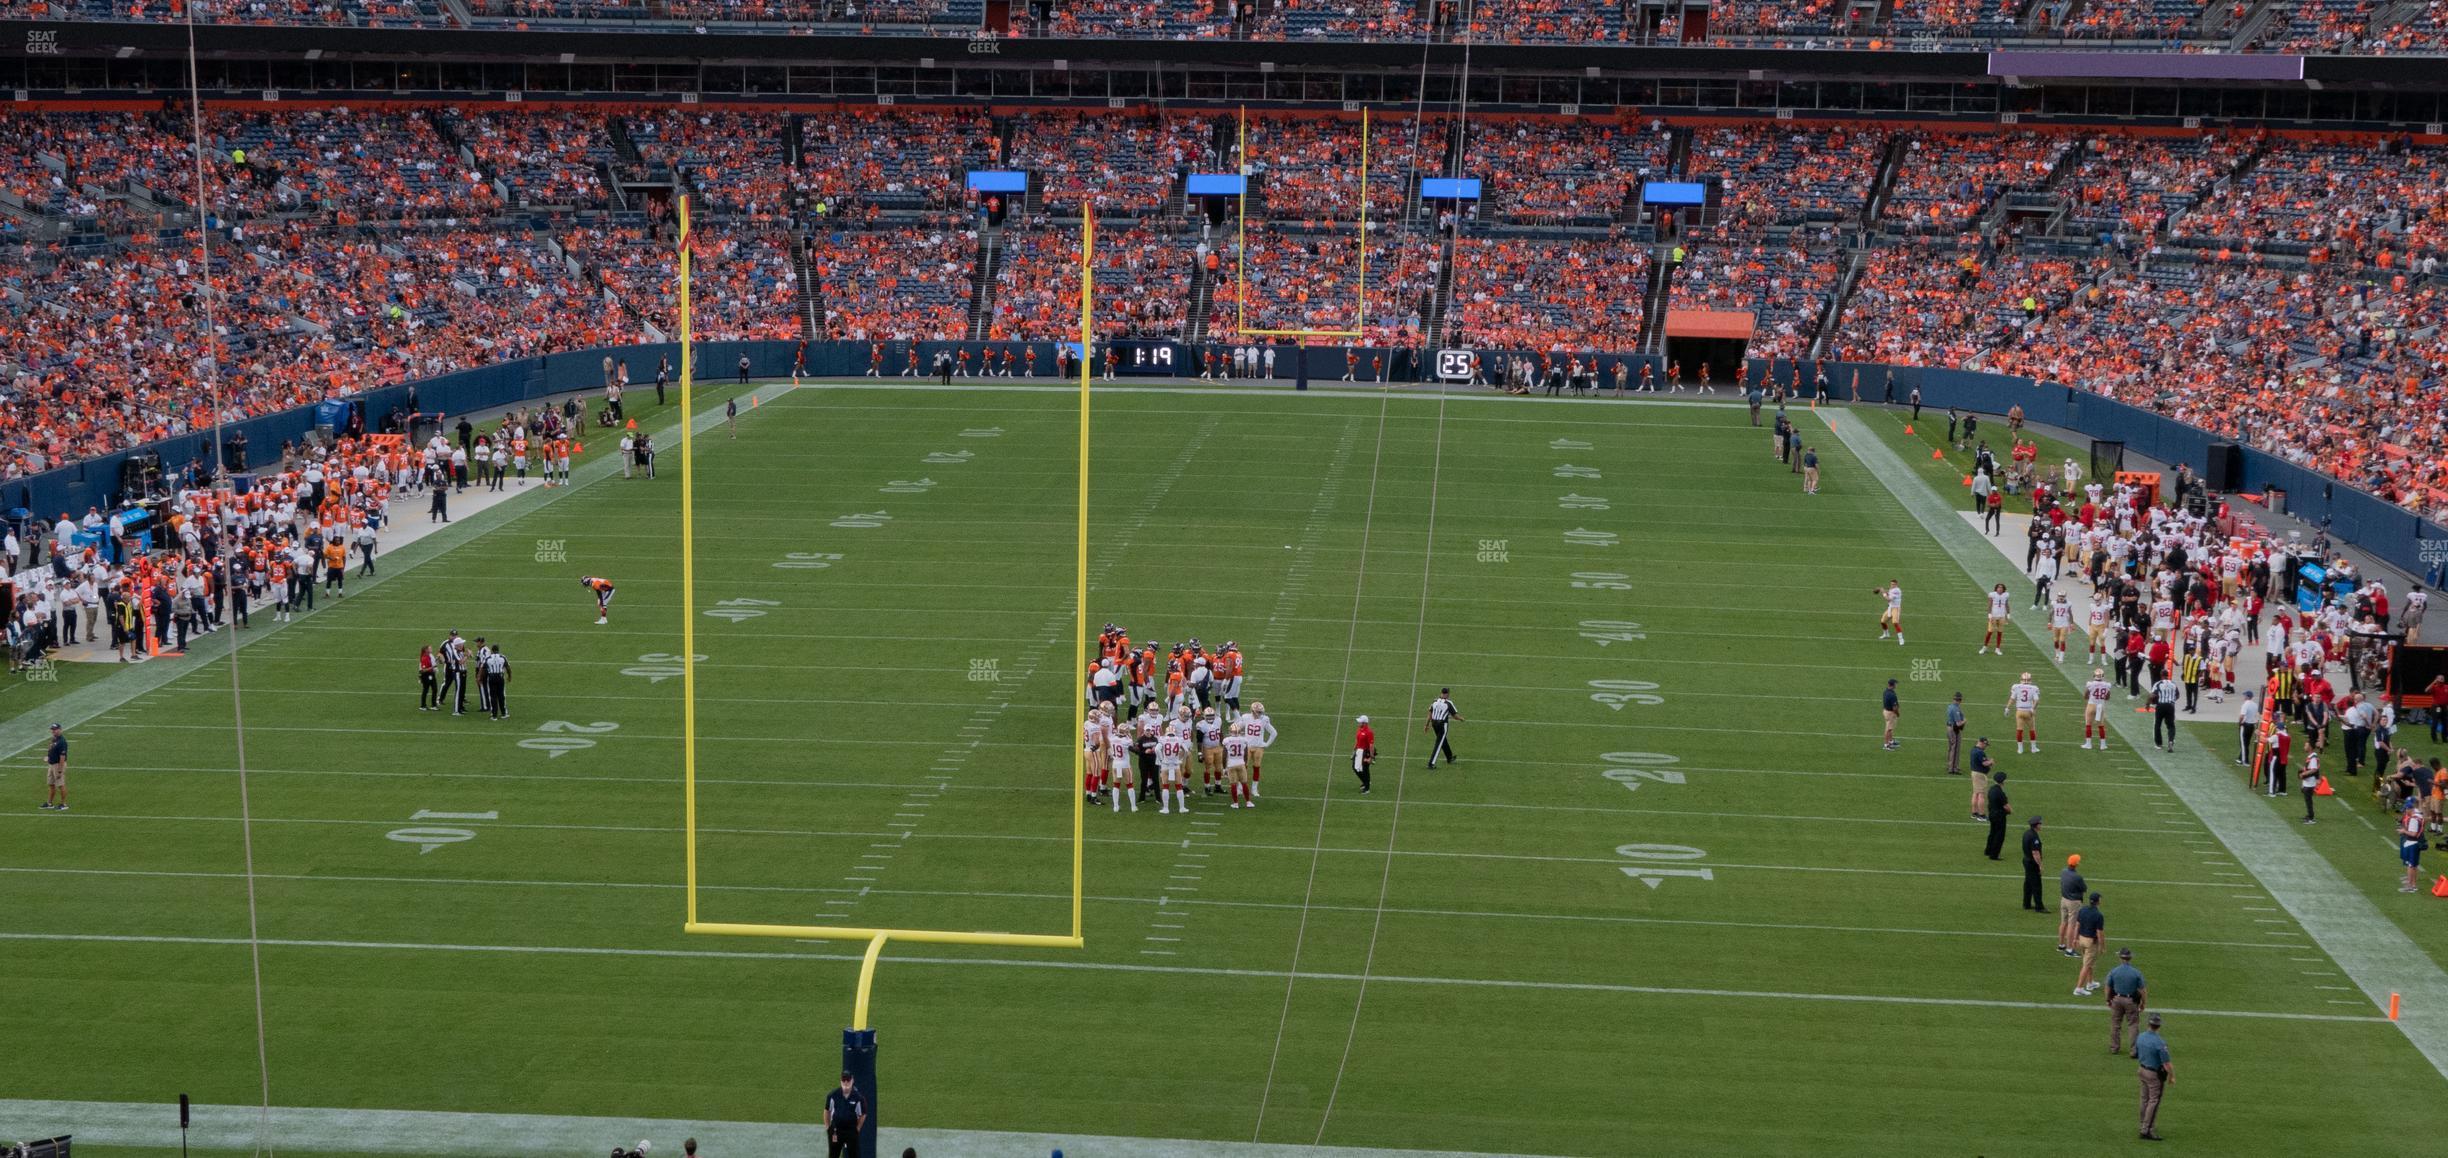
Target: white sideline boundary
x=2374, y=953
x=134, y=1124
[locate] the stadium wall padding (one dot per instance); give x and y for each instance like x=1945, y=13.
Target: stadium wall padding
x=2384, y=530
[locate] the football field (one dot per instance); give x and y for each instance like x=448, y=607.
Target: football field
x=1674, y=898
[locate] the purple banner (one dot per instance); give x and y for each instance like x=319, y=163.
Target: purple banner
x=2147, y=65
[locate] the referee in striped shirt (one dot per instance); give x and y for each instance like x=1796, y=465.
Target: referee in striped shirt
x=1442, y=715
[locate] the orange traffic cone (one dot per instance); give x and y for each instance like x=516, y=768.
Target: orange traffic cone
x=577, y=448
x=1967, y=480
x=2439, y=888
x=2323, y=788
x=1908, y=428
x=633, y=424
x=1936, y=454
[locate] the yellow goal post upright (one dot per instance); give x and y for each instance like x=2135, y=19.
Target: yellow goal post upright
x=1241, y=249
x=858, y=1039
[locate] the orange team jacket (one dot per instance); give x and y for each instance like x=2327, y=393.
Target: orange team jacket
x=335, y=555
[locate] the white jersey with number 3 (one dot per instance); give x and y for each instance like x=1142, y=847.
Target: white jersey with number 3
x=2025, y=697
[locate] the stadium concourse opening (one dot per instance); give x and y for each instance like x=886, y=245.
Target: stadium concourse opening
x=735, y=421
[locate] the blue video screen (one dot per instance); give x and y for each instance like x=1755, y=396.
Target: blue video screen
x=1673, y=193
x=1216, y=185
x=1449, y=189
x=997, y=181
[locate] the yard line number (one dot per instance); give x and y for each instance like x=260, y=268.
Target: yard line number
x=430, y=837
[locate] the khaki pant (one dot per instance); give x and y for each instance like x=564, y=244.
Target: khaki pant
x=1954, y=750
x=1980, y=794
x=2152, y=1086
x=2123, y=1012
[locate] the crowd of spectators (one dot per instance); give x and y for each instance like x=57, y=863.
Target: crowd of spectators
x=733, y=158
x=898, y=283
x=1162, y=19
x=544, y=156
x=48, y=159
x=2137, y=185
x=876, y=159
x=1782, y=282
x=2378, y=202
x=1525, y=294
x=1543, y=172
x=2325, y=26
x=1295, y=278
x=2281, y=290
x=1937, y=301
x=1309, y=167
x=1949, y=179
x=1769, y=17
x=1118, y=163
x=1779, y=175
x=1142, y=283
x=357, y=163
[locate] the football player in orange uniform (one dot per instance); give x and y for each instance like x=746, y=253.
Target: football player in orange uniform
x=603, y=597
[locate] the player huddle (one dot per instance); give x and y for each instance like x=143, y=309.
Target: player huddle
x=1140, y=740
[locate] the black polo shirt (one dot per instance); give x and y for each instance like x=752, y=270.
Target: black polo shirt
x=844, y=1109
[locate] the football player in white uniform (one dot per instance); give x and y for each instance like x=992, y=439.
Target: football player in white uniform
x=1210, y=732
x=2061, y=621
x=1171, y=749
x=2023, y=701
x=2095, y=707
x=1092, y=744
x=1254, y=726
x=1892, y=619
x=1236, y=768
x=2000, y=608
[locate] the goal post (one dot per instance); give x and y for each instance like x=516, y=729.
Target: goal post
x=858, y=1039
x=1241, y=250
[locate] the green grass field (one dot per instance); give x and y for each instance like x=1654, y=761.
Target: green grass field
x=1674, y=899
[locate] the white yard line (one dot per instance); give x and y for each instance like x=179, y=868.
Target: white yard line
x=863, y=834
x=1402, y=765
x=1300, y=935
x=2373, y=951
x=1176, y=909
x=2082, y=1007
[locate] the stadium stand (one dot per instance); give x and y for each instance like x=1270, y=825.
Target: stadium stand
x=1538, y=294
x=1951, y=178
x=1142, y=277
x=1116, y=163
x=908, y=282
x=1546, y=173
x=2283, y=289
